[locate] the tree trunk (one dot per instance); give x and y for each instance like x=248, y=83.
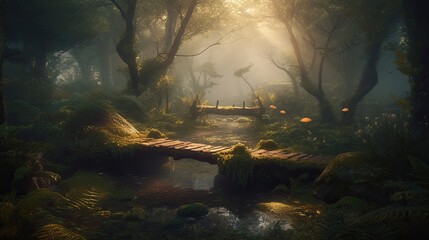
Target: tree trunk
x=2, y=41
x=326, y=114
x=368, y=80
x=149, y=75
x=125, y=47
x=170, y=25
x=416, y=19
x=181, y=32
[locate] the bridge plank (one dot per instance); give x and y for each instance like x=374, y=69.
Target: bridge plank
x=218, y=149
x=181, y=146
x=289, y=155
x=154, y=141
x=169, y=144
x=161, y=144
x=193, y=146
x=202, y=148
x=276, y=152
x=259, y=152
x=298, y=157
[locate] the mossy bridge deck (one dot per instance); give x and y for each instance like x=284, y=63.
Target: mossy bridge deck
x=209, y=153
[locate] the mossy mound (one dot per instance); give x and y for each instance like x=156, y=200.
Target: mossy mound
x=195, y=210
x=100, y=117
x=135, y=214
x=268, y=144
x=238, y=165
x=155, y=133
x=355, y=174
x=98, y=138
x=130, y=107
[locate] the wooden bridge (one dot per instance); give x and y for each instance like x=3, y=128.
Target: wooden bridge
x=255, y=111
x=209, y=153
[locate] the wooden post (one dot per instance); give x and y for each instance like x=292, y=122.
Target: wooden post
x=217, y=104
x=244, y=104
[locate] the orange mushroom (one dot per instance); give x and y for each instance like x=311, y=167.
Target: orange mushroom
x=273, y=107
x=282, y=112
x=306, y=120
x=344, y=110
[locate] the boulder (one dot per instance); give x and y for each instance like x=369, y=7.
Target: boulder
x=353, y=174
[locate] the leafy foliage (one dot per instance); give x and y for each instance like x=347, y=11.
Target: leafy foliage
x=388, y=135
x=56, y=231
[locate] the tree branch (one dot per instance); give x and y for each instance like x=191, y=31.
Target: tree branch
x=121, y=10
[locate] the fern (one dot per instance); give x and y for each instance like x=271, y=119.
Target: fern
x=56, y=231
x=34, y=200
x=85, y=198
x=353, y=204
x=407, y=197
x=393, y=214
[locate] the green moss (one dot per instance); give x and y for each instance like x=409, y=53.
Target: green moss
x=88, y=115
x=155, y=133
x=195, y=210
x=268, y=144
x=237, y=165
x=135, y=214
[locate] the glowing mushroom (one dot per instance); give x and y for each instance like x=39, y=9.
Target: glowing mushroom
x=306, y=120
x=344, y=110
x=273, y=107
x=282, y=112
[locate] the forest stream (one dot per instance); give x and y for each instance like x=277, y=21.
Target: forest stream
x=256, y=214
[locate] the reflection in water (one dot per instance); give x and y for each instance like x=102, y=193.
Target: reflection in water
x=254, y=223
x=189, y=173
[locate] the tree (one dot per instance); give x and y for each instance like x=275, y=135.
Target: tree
x=152, y=69
x=376, y=21
x=125, y=46
x=45, y=26
x=304, y=14
x=2, y=43
x=291, y=72
x=240, y=74
x=205, y=80
x=416, y=19
x=158, y=66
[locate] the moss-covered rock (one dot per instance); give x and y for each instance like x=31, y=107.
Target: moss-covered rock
x=238, y=165
x=155, y=133
x=268, y=144
x=355, y=174
x=194, y=210
x=135, y=214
